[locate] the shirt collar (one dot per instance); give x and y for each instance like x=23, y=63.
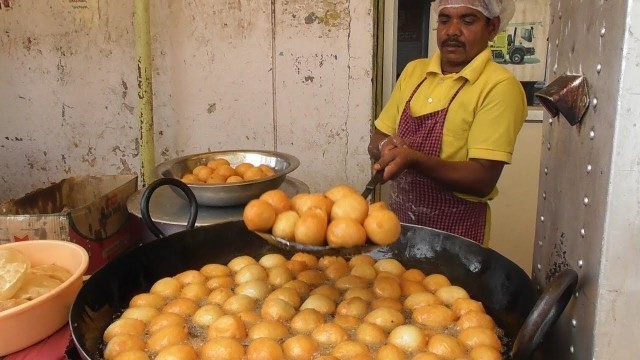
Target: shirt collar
x=471, y=72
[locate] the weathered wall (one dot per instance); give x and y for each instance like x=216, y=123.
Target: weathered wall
x=286, y=75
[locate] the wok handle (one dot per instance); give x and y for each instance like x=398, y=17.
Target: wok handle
x=544, y=314
x=145, y=200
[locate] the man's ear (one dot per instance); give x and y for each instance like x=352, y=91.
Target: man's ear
x=494, y=25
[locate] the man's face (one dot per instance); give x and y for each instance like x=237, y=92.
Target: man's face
x=462, y=34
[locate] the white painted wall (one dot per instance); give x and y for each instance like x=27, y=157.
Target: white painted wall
x=292, y=76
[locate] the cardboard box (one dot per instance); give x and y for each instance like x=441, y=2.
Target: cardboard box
x=90, y=211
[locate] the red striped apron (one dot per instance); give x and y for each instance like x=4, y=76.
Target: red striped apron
x=417, y=199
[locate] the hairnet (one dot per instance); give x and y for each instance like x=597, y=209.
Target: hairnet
x=490, y=8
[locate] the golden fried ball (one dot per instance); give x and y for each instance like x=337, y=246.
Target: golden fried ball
x=234, y=179
x=143, y=313
x=386, y=318
x=190, y=179
x=446, y=346
x=202, y=172
x=279, y=275
x=434, y=282
x=132, y=355
x=249, y=273
x=238, y=303
x=181, y=306
x=164, y=320
x=347, y=322
x=222, y=349
x=329, y=334
x=362, y=259
x=409, y=338
x=319, y=302
x=352, y=206
x=419, y=299
x=327, y=290
x=386, y=302
x=122, y=343
x=392, y=266
x=289, y=295
x=351, y=282
x=472, y=337
x=355, y=306
x=326, y=261
x=299, y=347
x=195, y=292
x=243, y=167
x=278, y=199
x=449, y=294
x=310, y=260
x=370, y=334
x=345, y=232
x=264, y=349
x=267, y=170
x=310, y=229
x=336, y=270
x=219, y=296
x=249, y=318
x=147, y=299
x=364, y=271
x=413, y=275
x=190, y=277
x=179, y=351
x=207, y=314
x=463, y=306
x=382, y=227
x=380, y=205
x=306, y=320
x=277, y=309
x=475, y=319
x=426, y=356
x=387, y=287
x=390, y=352
x=338, y=192
x=167, y=336
x=220, y=282
x=239, y=262
x=217, y=162
x=213, y=270
x=226, y=171
x=257, y=289
x=363, y=293
x=349, y=349
x=124, y=326
x=271, y=329
x=409, y=287
x=301, y=287
x=296, y=266
x=229, y=326
x=259, y=215
x=313, y=200
x=272, y=260
x=484, y=352
x=216, y=179
x=434, y=316
x=312, y=277
x=166, y=287
x=253, y=173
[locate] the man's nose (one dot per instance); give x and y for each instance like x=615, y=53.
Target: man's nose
x=454, y=28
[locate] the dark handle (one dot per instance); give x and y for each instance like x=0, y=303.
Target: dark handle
x=146, y=199
x=544, y=314
x=375, y=180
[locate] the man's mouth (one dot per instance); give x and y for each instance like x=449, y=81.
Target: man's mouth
x=453, y=44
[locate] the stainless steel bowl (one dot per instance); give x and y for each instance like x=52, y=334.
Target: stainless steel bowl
x=234, y=193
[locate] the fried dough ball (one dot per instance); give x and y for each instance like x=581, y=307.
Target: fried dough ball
x=434, y=316
x=259, y=215
x=310, y=229
x=319, y=302
x=462, y=306
x=379, y=205
x=238, y=303
x=132, y=355
x=124, y=326
x=299, y=347
x=306, y=320
x=419, y=299
x=426, y=356
x=122, y=343
x=239, y=262
x=143, y=313
x=264, y=349
x=409, y=338
x=190, y=179
x=350, y=350
x=390, y=352
x=222, y=349
x=166, y=287
x=271, y=329
x=310, y=260
x=249, y=318
x=364, y=271
x=328, y=291
x=229, y=326
x=370, y=334
x=220, y=282
x=345, y=232
x=326, y=261
x=386, y=318
x=219, y=296
x=296, y=266
x=387, y=287
x=301, y=287
x=267, y=170
x=312, y=277
x=272, y=260
x=351, y=282
x=213, y=270
x=164, y=320
x=351, y=206
x=313, y=200
x=177, y=352
x=249, y=273
x=386, y=302
x=474, y=336
x=277, y=309
x=287, y=294
x=147, y=299
x=392, y=266
x=362, y=259
x=336, y=270
x=347, y=322
x=253, y=173
x=207, y=314
x=181, y=306
x=167, y=336
x=413, y=275
x=329, y=334
x=216, y=179
x=202, y=172
x=364, y=294
x=195, y=291
x=449, y=294
x=190, y=277
x=234, y=179
x=338, y=192
x=355, y=306
x=409, y=287
x=446, y=346
x=217, y=162
x=475, y=319
x=243, y=167
x=278, y=199
x=484, y=352
x=434, y=282
x=226, y=171
x=279, y=275
x=257, y=289
x=382, y=227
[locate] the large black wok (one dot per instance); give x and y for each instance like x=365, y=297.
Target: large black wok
x=506, y=291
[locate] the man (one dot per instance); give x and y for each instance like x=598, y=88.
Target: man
x=451, y=124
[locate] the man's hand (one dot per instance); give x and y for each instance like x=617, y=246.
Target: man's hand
x=396, y=157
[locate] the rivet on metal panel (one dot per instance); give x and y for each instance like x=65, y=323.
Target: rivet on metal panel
x=571, y=350
x=599, y=68
x=539, y=267
x=576, y=294
x=594, y=102
x=544, y=195
x=580, y=264
x=548, y=146
x=546, y=171
x=583, y=233
x=589, y=168
x=592, y=134
x=602, y=31
x=541, y=218
x=557, y=42
x=540, y=243
x=585, y=201
x=550, y=121
x=574, y=323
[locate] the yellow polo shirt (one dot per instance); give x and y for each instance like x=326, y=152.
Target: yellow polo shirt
x=484, y=119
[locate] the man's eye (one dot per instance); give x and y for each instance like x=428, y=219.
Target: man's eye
x=443, y=20
x=468, y=21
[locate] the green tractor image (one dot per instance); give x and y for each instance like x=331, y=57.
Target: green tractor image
x=504, y=47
